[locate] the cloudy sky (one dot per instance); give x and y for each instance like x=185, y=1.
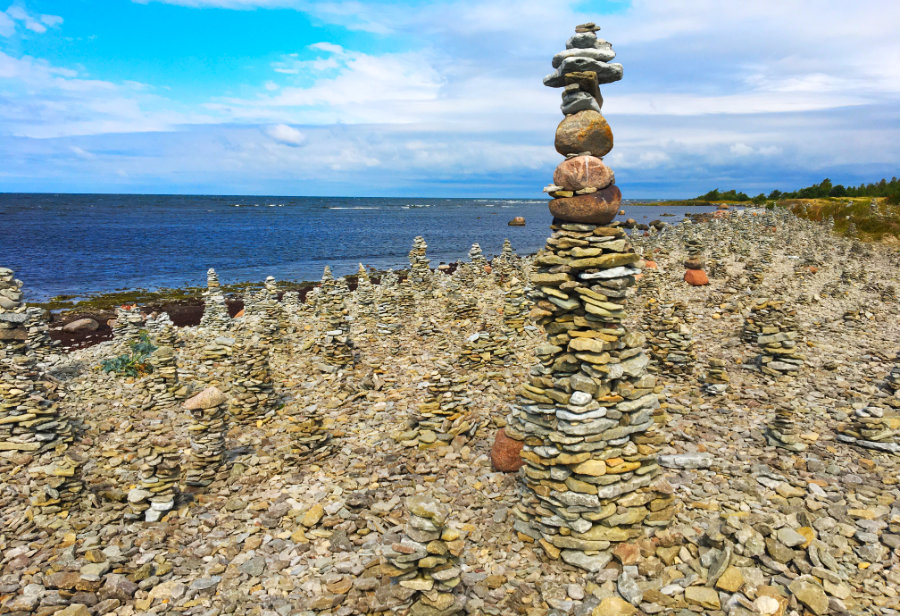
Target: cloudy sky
x=299, y=97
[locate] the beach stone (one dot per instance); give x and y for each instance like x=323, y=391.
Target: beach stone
x=704, y=596
x=808, y=592
x=585, y=131
x=206, y=399
x=583, y=172
x=614, y=606
x=505, y=453
x=596, y=208
x=75, y=609
x=696, y=277
x=81, y=325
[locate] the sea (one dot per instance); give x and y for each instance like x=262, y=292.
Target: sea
x=81, y=245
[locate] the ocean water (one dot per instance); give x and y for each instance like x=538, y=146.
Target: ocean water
x=77, y=245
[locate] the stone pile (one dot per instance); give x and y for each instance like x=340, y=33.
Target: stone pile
x=460, y=302
x=13, y=328
x=30, y=419
x=364, y=294
x=159, y=469
x=586, y=414
x=515, y=307
x=772, y=326
x=61, y=483
x=128, y=324
x=503, y=266
x=215, y=310
x=872, y=427
x=715, y=380
x=310, y=435
x=386, y=311
x=425, y=563
x=207, y=432
x=38, y=342
x=484, y=348
x=782, y=429
x=446, y=412
x=163, y=383
x=420, y=276
x=670, y=340
x=252, y=390
x=335, y=346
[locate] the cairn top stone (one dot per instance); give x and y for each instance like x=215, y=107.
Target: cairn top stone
x=206, y=399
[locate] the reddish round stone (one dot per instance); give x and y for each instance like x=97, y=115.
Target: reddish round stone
x=696, y=277
x=598, y=208
x=650, y=264
x=583, y=172
x=505, y=454
x=585, y=131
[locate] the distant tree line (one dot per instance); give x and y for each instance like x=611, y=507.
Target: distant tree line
x=884, y=188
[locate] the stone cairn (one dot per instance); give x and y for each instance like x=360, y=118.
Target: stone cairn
x=504, y=265
x=387, y=314
x=670, y=340
x=207, y=410
x=310, y=435
x=586, y=414
x=128, y=324
x=38, y=341
x=484, y=348
x=515, y=306
x=165, y=389
x=715, y=380
x=424, y=564
x=336, y=346
x=13, y=329
x=877, y=427
x=159, y=469
x=420, y=276
x=774, y=329
x=694, y=263
x=365, y=296
x=445, y=414
x=215, y=310
x=252, y=391
x=473, y=271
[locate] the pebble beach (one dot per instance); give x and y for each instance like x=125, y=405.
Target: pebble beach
x=695, y=418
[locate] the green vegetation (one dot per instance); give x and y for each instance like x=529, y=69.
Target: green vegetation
x=888, y=189
x=136, y=362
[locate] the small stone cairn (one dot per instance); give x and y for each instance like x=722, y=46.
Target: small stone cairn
x=773, y=328
x=128, y=325
x=207, y=410
x=30, y=420
x=877, y=426
x=336, y=346
x=424, y=564
x=311, y=436
x=387, y=314
x=446, y=412
x=61, y=482
x=215, y=310
x=365, y=296
x=586, y=414
x=420, y=276
x=670, y=340
x=515, y=307
x=13, y=320
x=159, y=469
x=252, y=391
x=715, y=380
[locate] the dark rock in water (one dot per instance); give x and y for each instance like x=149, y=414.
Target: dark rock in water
x=629, y=223
x=518, y=221
x=583, y=172
x=585, y=131
x=597, y=208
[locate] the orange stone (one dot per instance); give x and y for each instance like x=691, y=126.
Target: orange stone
x=583, y=172
x=650, y=264
x=696, y=277
x=506, y=453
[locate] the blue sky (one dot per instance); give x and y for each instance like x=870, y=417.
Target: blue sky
x=295, y=97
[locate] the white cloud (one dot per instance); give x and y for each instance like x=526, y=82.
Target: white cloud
x=81, y=152
x=288, y=135
x=17, y=13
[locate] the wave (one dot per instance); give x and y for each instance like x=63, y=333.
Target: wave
x=416, y=205
x=257, y=204
x=354, y=207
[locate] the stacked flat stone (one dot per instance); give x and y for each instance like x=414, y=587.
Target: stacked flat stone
x=515, y=306
x=873, y=427
x=365, y=292
x=336, y=346
x=425, y=564
x=586, y=414
x=38, y=342
x=670, y=340
x=128, y=325
x=159, y=469
x=461, y=302
x=61, y=483
x=163, y=385
x=484, y=348
x=217, y=352
x=892, y=384
x=420, y=276
x=446, y=412
x=386, y=312
x=13, y=320
x=207, y=410
x=773, y=328
x=215, y=310
x=782, y=430
x=715, y=380
x=503, y=265
x=252, y=390
x=30, y=420
x=311, y=438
